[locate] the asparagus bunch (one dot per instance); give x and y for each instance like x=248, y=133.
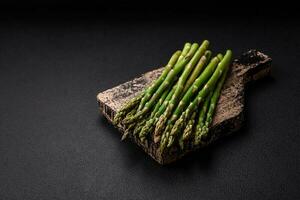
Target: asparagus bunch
x=181, y=122
x=180, y=104
x=190, y=94
x=179, y=89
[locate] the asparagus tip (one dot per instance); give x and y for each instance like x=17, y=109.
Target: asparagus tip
x=124, y=136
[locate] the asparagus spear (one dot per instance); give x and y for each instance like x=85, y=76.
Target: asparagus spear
x=222, y=67
x=187, y=133
x=159, y=103
x=150, y=90
x=185, y=50
x=161, y=100
x=201, y=119
x=171, y=75
x=198, y=69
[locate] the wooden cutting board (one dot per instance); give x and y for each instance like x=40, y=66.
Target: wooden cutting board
x=228, y=118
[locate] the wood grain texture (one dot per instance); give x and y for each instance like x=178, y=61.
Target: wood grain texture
x=228, y=118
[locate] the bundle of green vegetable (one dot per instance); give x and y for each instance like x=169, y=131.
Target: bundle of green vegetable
x=178, y=107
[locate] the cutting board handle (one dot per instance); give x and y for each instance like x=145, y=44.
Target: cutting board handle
x=252, y=65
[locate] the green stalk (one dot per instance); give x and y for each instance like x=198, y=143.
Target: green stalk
x=204, y=109
x=159, y=103
x=198, y=69
x=185, y=50
x=150, y=90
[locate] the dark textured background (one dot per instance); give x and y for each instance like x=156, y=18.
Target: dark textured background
x=55, y=145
